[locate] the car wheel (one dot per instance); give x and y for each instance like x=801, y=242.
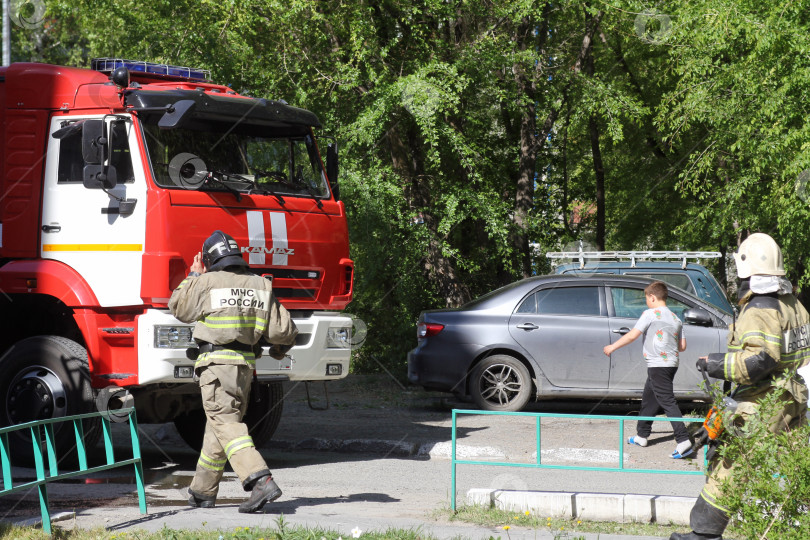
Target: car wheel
x=500, y=383
x=44, y=377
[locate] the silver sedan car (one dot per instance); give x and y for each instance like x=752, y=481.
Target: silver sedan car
x=542, y=338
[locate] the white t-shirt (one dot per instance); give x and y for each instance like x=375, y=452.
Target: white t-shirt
x=662, y=335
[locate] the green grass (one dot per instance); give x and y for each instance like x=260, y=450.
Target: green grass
x=281, y=531
x=562, y=528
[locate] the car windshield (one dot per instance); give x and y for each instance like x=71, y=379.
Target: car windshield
x=241, y=158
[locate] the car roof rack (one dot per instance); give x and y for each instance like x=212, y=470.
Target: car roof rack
x=582, y=256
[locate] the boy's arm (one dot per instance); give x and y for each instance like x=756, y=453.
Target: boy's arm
x=626, y=339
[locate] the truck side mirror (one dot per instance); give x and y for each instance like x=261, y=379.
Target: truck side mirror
x=93, y=142
x=697, y=317
x=99, y=177
x=332, y=168
x=177, y=115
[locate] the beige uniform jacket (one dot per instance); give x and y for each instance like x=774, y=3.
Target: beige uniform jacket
x=231, y=306
x=768, y=342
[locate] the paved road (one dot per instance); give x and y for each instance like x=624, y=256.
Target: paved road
x=378, y=457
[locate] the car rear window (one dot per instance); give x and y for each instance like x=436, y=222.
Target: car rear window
x=563, y=301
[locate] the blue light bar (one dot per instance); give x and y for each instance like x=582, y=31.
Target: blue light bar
x=107, y=65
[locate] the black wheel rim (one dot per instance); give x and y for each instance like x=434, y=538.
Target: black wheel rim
x=35, y=393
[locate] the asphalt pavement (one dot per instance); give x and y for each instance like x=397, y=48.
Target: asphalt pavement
x=379, y=459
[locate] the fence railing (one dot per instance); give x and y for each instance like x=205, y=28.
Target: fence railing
x=540, y=465
x=38, y=440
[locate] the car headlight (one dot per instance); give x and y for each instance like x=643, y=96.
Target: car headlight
x=339, y=337
x=174, y=337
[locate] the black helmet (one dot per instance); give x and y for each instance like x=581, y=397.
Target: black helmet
x=220, y=251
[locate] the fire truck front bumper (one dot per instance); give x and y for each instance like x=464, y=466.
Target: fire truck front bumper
x=322, y=351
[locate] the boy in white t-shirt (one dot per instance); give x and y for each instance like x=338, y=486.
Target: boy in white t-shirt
x=662, y=343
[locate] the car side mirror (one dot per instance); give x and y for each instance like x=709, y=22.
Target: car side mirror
x=697, y=317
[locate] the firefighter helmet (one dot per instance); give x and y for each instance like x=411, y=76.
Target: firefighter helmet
x=759, y=255
x=220, y=251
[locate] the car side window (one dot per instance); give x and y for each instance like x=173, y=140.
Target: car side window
x=631, y=303
x=628, y=303
x=563, y=301
x=681, y=281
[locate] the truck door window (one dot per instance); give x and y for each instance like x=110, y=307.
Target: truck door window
x=71, y=164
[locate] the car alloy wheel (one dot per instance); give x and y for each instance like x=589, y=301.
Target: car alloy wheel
x=501, y=383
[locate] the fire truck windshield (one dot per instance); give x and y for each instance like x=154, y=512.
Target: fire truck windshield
x=243, y=158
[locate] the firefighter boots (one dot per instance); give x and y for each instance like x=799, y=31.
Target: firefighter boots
x=264, y=491
x=694, y=536
x=199, y=501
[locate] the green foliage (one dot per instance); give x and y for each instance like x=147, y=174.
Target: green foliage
x=441, y=108
x=768, y=492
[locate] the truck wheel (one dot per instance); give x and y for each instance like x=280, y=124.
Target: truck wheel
x=500, y=383
x=45, y=377
x=262, y=418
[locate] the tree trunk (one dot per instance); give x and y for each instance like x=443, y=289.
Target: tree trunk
x=408, y=163
x=596, y=152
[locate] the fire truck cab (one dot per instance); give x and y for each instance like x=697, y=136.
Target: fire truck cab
x=112, y=178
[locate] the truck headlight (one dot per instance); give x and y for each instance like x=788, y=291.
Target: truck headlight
x=339, y=337
x=174, y=337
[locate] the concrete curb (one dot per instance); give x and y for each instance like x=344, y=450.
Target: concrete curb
x=588, y=506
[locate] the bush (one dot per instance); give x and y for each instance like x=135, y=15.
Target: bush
x=768, y=492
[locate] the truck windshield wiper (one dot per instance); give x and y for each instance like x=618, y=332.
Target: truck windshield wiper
x=219, y=181
x=298, y=179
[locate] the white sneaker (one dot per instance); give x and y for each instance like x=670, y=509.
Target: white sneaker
x=682, y=450
x=639, y=441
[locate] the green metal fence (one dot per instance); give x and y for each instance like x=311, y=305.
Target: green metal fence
x=52, y=474
x=540, y=465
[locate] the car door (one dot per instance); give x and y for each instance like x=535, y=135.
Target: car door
x=564, y=328
x=628, y=370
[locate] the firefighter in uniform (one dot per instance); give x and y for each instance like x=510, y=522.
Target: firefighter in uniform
x=233, y=309
x=766, y=346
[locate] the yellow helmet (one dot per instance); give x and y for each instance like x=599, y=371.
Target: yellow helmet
x=759, y=254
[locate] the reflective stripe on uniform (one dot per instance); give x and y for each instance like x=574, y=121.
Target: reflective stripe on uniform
x=765, y=337
x=215, y=465
x=238, y=444
x=236, y=321
x=728, y=367
x=712, y=501
x=182, y=284
x=226, y=356
x=797, y=356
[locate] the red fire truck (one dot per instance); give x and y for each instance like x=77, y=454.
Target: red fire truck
x=112, y=178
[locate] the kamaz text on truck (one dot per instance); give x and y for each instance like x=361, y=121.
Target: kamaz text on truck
x=112, y=178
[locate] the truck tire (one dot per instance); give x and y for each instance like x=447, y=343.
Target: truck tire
x=262, y=418
x=44, y=377
x=500, y=383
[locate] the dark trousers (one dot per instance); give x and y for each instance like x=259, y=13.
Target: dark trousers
x=659, y=397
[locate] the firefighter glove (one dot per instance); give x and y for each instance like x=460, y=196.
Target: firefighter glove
x=279, y=351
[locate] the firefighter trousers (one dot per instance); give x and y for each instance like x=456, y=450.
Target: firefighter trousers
x=792, y=415
x=225, y=394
